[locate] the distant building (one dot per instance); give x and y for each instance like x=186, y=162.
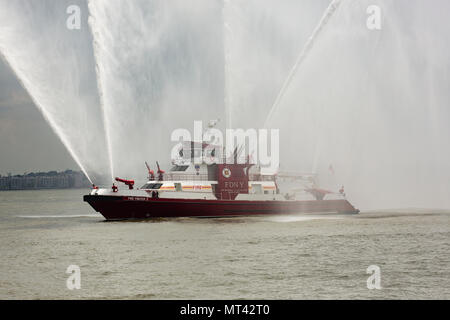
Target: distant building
x=44, y=180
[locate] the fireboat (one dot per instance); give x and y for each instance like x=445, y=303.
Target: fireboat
x=218, y=189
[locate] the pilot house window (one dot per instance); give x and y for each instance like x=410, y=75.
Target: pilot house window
x=151, y=186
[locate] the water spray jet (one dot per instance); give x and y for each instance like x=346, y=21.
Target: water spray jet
x=329, y=12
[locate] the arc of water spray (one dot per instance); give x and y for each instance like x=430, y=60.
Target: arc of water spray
x=226, y=90
x=226, y=31
x=56, y=129
x=105, y=120
x=329, y=12
x=92, y=27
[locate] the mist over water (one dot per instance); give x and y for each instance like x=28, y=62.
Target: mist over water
x=373, y=105
x=55, y=66
x=367, y=109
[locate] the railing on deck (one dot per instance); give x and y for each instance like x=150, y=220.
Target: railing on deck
x=204, y=177
x=182, y=177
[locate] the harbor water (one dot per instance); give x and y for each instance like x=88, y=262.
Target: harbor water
x=271, y=257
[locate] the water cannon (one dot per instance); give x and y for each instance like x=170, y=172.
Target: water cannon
x=151, y=173
x=160, y=172
x=129, y=183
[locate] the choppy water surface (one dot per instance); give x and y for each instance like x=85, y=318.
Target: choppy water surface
x=286, y=257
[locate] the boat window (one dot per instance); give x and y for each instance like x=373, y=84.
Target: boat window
x=179, y=168
x=151, y=186
x=257, y=188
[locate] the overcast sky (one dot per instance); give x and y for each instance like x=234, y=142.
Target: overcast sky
x=27, y=142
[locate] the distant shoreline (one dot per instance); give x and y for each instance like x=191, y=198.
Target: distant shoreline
x=50, y=180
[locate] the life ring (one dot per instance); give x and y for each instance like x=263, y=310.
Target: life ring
x=226, y=172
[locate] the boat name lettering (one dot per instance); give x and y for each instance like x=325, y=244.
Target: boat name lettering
x=137, y=198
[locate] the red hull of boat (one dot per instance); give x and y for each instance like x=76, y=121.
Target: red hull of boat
x=124, y=207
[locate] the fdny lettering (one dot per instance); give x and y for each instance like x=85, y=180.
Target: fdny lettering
x=235, y=185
